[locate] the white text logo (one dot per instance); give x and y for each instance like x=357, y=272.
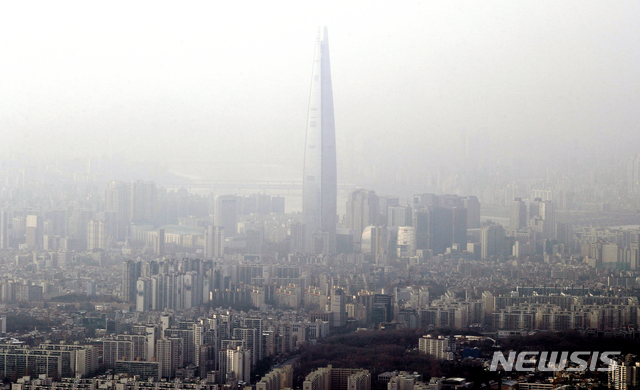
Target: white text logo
x=554, y=361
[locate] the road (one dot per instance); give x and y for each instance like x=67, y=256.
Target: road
x=290, y=361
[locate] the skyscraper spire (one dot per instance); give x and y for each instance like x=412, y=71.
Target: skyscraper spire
x=319, y=181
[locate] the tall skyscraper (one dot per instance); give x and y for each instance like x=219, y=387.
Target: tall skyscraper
x=441, y=229
x=399, y=216
x=34, y=231
x=363, y=209
x=319, y=180
x=4, y=230
x=338, y=306
x=226, y=214
x=440, y=222
x=119, y=201
x=517, y=214
x=491, y=240
x=472, y=205
x=143, y=202
x=406, y=246
x=422, y=226
x=547, y=213
x=375, y=240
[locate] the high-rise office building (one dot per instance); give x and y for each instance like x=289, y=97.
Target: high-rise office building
x=110, y=219
x=319, y=181
x=441, y=222
x=440, y=229
x=517, y=214
x=78, y=222
x=542, y=218
x=118, y=200
x=4, y=230
x=33, y=231
x=385, y=202
x=547, y=213
x=57, y=220
x=458, y=213
x=384, y=304
x=459, y=233
x=226, y=214
x=143, y=206
x=491, y=240
x=534, y=208
x=406, y=246
x=425, y=200
x=338, y=308
x=363, y=209
x=472, y=205
x=375, y=241
x=399, y=216
x=421, y=225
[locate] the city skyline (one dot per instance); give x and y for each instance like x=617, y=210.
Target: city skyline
x=169, y=218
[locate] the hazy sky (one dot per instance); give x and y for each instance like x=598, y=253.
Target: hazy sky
x=212, y=85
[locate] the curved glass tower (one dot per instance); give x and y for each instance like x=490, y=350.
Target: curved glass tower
x=319, y=182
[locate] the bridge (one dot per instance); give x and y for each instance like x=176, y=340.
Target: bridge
x=288, y=186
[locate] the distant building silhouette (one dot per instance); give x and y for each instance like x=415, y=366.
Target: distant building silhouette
x=226, y=214
x=363, y=209
x=319, y=181
x=517, y=214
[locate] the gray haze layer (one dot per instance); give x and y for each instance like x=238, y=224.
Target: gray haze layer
x=221, y=91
